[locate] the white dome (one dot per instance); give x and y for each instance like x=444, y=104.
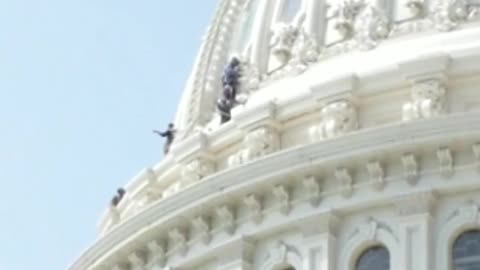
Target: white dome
x=355, y=136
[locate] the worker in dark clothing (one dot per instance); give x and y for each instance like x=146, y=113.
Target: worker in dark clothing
x=169, y=134
x=231, y=75
x=224, y=106
x=118, y=198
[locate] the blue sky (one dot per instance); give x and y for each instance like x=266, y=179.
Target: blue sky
x=82, y=84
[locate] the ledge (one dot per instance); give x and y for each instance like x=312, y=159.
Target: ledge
x=401, y=137
x=354, y=85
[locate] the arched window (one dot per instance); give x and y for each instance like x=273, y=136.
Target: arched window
x=466, y=251
x=375, y=258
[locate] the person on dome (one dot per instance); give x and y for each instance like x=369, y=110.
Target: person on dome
x=169, y=134
x=229, y=93
x=118, y=198
x=224, y=106
x=231, y=74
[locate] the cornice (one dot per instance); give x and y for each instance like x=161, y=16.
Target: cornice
x=348, y=147
x=425, y=67
x=195, y=145
x=341, y=87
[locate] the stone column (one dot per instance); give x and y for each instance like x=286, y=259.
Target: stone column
x=315, y=20
x=415, y=230
x=261, y=31
x=319, y=242
x=278, y=8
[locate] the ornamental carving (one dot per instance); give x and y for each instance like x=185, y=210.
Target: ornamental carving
x=345, y=179
x=137, y=260
x=255, y=205
x=258, y=143
x=346, y=12
x=282, y=194
x=372, y=27
x=449, y=14
x=313, y=189
x=410, y=168
x=337, y=118
x=172, y=189
x=377, y=175
x=468, y=214
x=281, y=254
x=157, y=253
x=196, y=170
x=226, y=217
x=283, y=39
x=305, y=49
x=372, y=229
x=201, y=225
x=303, y=53
x=178, y=240
x=428, y=100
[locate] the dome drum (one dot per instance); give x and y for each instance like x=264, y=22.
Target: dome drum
x=354, y=138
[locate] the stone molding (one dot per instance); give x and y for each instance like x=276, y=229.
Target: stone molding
x=453, y=124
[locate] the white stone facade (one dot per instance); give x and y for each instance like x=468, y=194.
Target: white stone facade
x=366, y=134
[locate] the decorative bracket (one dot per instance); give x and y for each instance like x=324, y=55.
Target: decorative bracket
x=202, y=226
x=137, y=259
x=157, y=252
x=227, y=218
x=377, y=174
x=369, y=229
x=179, y=238
x=345, y=179
x=313, y=189
x=410, y=168
x=282, y=194
x=445, y=160
x=254, y=204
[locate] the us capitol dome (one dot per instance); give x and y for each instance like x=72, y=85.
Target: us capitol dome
x=315, y=135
